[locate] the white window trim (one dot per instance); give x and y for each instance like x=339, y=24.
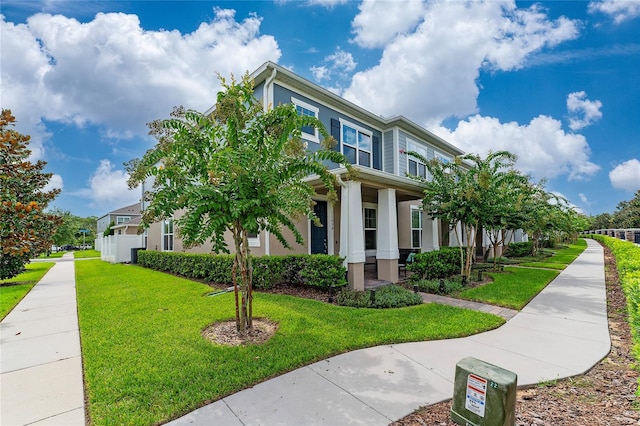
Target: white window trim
x=254, y=241
x=369, y=206
x=410, y=142
x=125, y=219
x=163, y=234
x=440, y=156
x=416, y=208
x=358, y=129
x=316, y=110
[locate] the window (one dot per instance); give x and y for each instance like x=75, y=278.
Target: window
x=303, y=108
x=122, y=219
x=416, y=228
x=253, y=238
x=415, y=166
x=370, y=226
x=167, y=235
x=443, y=158
x=356, y=144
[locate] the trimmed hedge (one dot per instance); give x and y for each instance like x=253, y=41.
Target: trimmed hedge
x=519, y=249
x=317, y=270
x=627, y=257
x=390, y=296
x=441, y=263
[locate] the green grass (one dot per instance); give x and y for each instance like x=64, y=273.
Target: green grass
x=83, y=254
x=56, y=255
x=558, y=266
x=513, y=288
x=146, y=361
x=13, y=290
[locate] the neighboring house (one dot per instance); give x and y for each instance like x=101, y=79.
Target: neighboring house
x=121, y=217
x=378, y=216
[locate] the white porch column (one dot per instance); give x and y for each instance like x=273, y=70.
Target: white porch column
x=436, y=233
x=352, y=233
x=387, y=236
x=429, y=233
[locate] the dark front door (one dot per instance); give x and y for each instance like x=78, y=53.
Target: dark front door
x=319, y=243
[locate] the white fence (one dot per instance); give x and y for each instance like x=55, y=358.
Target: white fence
x=117, y=248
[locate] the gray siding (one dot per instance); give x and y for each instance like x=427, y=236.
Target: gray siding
x=387, y=149
x=283, y=96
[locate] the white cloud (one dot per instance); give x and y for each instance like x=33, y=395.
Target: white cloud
x=57, y=68
x=54, y=183
x=619, y=10
x=431, y=73
x=339, y=62
x=108, y=187
x=626, y=175
x=583, y=198
x=380, y=21
x=582, y=111
x=542, y=147
x=327, y=3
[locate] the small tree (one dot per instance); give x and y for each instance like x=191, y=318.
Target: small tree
x=466, y=191
x=240, y=169
x=25, y=229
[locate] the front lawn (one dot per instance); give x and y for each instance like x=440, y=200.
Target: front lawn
x=146, y=361
x=13, y=290
x=513, y=288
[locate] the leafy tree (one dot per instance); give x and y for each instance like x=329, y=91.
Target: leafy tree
x=627, y=214
x=109, y=231
x=240, y=169
x=68, y=233
x=601, y=221
x=469, y=191
x=26, y=230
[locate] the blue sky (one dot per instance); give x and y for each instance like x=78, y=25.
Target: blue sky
x=556, y=83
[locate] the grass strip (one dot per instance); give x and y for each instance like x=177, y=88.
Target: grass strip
x=13, y=290
x=83, y=254
x=146, y=361
x=557, y=266
x=513, y=288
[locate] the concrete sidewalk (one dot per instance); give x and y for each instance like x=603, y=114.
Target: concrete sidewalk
x=562, y=332
x=40, y=362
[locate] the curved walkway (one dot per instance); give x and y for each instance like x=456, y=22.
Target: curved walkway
x=562, y=332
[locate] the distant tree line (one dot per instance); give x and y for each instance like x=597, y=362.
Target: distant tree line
x=627, y=215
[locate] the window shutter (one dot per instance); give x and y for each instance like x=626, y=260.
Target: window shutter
x=335, y=133
x=377, y=152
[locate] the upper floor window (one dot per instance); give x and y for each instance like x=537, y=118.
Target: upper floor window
x=443, y=158
x=415, y=166
x=303, y=108
x=122, y=219
x=356, y=144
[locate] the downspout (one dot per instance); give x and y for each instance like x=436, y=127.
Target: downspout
x=267, y=89
x=265, y=104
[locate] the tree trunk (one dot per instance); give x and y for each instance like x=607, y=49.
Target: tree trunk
x=244, y=306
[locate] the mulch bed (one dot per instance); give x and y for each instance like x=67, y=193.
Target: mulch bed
x=603, y=396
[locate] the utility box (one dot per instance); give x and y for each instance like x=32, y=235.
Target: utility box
x=483, y=394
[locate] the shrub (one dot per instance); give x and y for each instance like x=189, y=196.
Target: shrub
x=317, y=270
x=451, y=285
x=391, y=296
x=519, y=249
x=441, y=263
x=628, y=264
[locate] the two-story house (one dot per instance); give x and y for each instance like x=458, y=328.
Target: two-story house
x=377, y=216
